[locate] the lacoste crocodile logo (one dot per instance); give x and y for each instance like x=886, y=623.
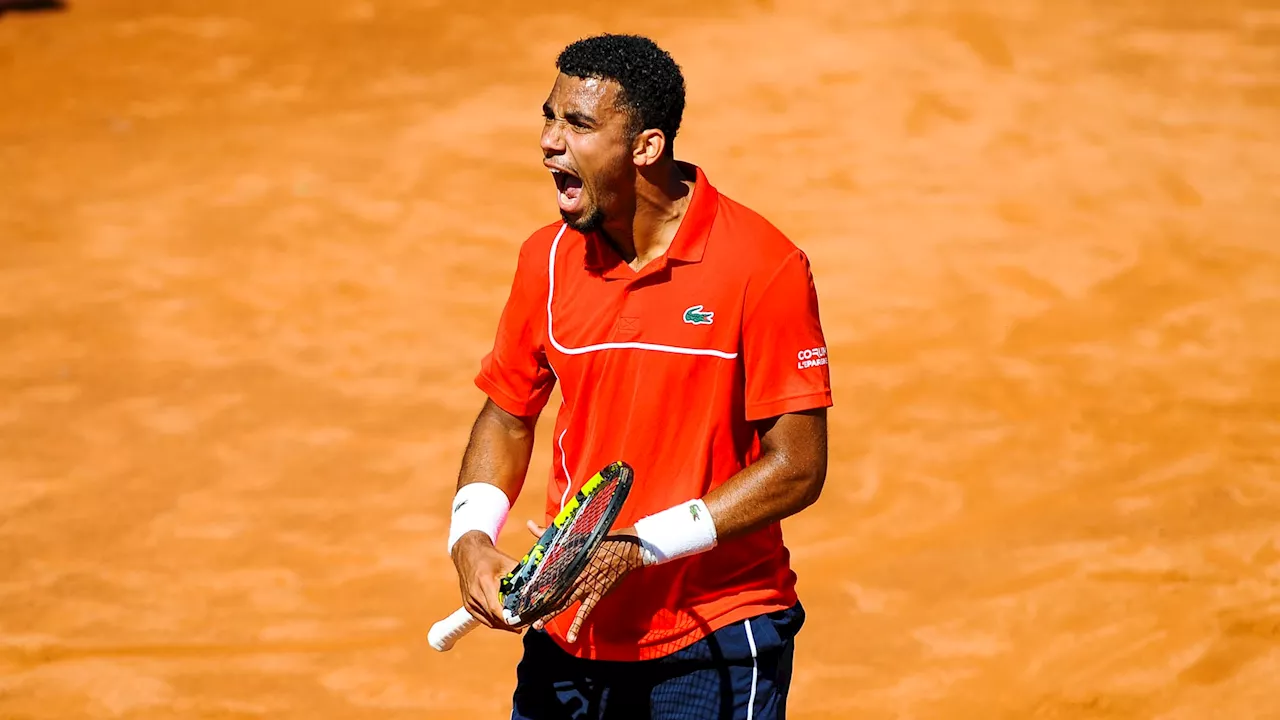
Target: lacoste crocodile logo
x=696, y=316
x=693, y=510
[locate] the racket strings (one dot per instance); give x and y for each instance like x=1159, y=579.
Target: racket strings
x=553, y=578
x=610, y=561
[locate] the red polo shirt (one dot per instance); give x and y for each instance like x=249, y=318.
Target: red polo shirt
x=665, y=368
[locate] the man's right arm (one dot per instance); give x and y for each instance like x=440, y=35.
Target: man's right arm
x=518, y=380
x=497, y=454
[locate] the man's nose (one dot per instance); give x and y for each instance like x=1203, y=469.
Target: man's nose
x=552, y=139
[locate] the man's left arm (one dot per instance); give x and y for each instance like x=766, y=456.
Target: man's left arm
x=788, y=389
x=787, y=477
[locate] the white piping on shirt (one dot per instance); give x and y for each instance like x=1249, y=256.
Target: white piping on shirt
x=551, y=291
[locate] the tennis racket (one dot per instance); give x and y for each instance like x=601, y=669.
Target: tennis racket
x=545, y=577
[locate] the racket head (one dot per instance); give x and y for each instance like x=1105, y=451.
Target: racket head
x=546, y=575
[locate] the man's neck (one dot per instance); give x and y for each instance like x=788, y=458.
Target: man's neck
x=661, y=202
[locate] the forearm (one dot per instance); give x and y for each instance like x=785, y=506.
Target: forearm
x=787, y=477
x=497, y=455
x=774, y=487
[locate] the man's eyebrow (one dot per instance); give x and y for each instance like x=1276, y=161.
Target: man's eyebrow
x=573, y=116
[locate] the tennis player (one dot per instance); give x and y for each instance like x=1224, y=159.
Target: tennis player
x=683, y=330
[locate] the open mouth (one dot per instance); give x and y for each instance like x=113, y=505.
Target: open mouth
x=568, y=190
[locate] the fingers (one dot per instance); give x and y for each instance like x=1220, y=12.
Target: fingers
x=611, y=563
x=478, y=603
x=534, y=528
x=477, y=608
x=574, y=596
x=472, y=600
x=584, y=610
x=597, y=580
x=493, y=602
x=481, y=580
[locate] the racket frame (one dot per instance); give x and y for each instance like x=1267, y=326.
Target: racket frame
x=566, y=517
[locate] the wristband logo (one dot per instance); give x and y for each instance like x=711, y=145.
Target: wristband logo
x=693, y=511
x=811, y=358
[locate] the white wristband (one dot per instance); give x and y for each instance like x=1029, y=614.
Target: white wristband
x=478, y=506
x=679, y=531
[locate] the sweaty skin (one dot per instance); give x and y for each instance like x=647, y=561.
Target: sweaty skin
x=632, y=189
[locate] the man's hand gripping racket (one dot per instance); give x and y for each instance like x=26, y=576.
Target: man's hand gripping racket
x=546, y=580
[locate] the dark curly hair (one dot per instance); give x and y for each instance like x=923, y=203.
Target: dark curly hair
x=651, y=81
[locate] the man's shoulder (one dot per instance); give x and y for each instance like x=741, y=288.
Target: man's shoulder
x=536, y=247
x=542, y=238
x=752, y=237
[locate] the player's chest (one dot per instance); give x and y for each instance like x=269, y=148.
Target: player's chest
x=678, y=311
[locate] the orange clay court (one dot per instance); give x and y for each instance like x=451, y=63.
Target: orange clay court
x=251, y=254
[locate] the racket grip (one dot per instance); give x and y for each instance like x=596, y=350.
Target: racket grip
x=451, y=629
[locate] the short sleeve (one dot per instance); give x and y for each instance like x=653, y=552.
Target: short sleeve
x=783, y=347
x=515, y=374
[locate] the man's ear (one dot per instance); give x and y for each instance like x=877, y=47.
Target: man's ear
x=648, y=147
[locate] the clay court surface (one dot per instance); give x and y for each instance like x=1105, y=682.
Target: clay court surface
x=252, y=252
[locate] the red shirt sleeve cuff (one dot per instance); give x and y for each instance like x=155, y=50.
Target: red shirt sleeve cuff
x=774, y=408
x=507, y=401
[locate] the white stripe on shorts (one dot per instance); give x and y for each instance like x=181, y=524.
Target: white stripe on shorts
x=755, y=670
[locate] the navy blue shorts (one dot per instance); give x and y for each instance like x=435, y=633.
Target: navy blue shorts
x=740, y=672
